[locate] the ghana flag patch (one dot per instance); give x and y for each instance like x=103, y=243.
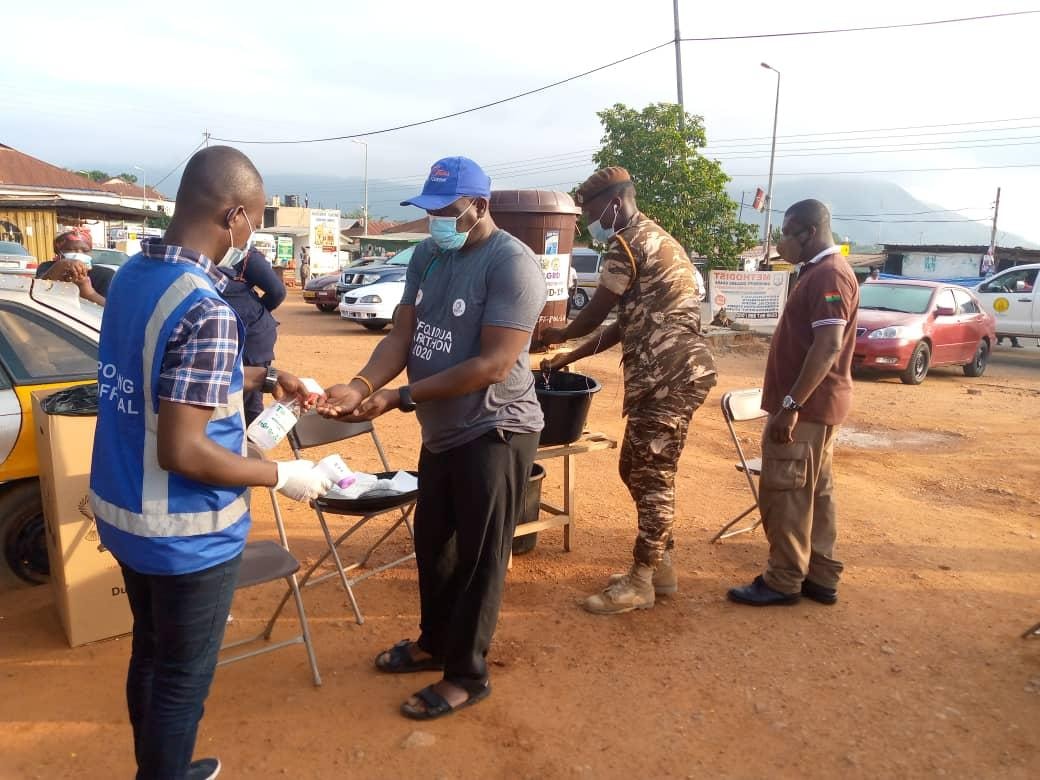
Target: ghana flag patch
x=832, y=297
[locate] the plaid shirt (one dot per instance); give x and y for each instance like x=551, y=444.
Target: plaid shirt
x=201, y=352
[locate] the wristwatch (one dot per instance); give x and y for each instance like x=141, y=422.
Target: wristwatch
x=405, y=394
x=790, y=405
x=271, y=380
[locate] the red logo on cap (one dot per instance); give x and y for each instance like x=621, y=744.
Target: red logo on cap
x=439, y=174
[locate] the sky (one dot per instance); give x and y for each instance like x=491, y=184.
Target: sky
x=149, y=79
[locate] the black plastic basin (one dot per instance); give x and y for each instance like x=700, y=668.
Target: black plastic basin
x=532, y=505
x=565, y=405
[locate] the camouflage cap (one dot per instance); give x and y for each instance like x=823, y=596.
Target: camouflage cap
x=599, y=181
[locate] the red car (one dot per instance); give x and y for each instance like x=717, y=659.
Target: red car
x=908, y=326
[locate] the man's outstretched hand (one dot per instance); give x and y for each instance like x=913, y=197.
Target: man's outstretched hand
x=340, y=401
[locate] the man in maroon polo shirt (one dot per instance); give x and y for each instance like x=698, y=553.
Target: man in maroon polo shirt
x=807, y=392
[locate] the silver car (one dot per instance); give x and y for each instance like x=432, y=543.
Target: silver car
x=587, y=263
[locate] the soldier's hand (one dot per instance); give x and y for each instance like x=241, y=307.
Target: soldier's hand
x=550, y=336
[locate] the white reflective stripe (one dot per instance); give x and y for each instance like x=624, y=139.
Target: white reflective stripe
x=821, y=323
x=155, y=487
x=165, y=524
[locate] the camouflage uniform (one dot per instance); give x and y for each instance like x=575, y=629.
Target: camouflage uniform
x=669, y=369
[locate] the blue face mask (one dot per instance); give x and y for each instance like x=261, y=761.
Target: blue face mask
x=599, y=233
x=445, y=232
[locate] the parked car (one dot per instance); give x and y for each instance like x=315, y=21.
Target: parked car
x=355, y=277
x=14, y=256
x=373, y=305
x=48, y=339
x=110, y=258
x=587, y=263
x=321, y=291
x=1013, y=300
x=909, y=326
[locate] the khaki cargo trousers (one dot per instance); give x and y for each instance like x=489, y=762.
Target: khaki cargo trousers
x=796, y=499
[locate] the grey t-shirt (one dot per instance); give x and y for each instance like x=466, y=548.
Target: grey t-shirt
x=455, y=294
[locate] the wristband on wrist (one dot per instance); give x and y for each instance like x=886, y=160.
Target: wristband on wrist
x=368, y=384
x=271, y=380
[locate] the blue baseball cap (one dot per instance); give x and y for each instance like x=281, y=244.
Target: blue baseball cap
x=450, y=179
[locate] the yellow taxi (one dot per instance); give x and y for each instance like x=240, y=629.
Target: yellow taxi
x=48, y=339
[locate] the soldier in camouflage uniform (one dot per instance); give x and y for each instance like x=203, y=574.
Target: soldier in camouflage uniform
x=669, y=369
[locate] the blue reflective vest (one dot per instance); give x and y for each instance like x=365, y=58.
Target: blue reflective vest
x=152, y=520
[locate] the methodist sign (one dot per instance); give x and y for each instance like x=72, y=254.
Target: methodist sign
x=755, y=298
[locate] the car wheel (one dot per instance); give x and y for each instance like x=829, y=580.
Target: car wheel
x=376, y=326
x=917, y=368
x=977, y=366
x=23, y=532
x=327, y=307
x=580, y=299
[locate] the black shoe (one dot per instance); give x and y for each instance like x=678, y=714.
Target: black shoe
x=819, y=593
x=203, y=769
x=758, y=594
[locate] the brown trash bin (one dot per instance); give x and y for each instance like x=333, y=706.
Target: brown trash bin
x=545, y=220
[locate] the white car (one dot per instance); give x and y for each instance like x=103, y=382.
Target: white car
x=15, y=257
x=1013, y=300
x=372, y=305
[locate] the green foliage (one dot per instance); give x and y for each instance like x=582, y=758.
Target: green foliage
x=95, y=175
x=161, y=220
x=676, y=186
x=127, y=177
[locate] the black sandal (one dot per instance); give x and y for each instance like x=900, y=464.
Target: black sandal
x=436, y=706
x=399, y=660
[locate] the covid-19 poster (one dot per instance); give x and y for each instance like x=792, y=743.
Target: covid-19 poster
x=324, y=241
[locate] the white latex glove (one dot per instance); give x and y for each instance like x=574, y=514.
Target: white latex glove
x=300, y=480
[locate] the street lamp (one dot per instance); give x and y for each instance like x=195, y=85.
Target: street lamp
x=772, y=157
x=144, y=196
x=365, y=222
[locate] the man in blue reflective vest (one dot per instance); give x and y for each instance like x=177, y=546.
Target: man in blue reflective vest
x=169, y=475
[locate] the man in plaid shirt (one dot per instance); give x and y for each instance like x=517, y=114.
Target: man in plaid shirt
x=169, y=476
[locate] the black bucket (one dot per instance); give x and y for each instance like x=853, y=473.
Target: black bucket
x=532, y=504
x=565, y=405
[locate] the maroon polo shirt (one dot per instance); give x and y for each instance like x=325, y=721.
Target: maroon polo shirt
x=826, y=294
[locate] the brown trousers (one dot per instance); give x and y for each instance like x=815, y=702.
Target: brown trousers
x=796, y=498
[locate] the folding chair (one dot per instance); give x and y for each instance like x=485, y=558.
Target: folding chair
x=311, y=431
x=740, y=406
x=268, y=561
x=1032, y=633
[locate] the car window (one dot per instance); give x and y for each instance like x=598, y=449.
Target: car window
x=946, y=300
x=1011, y=281
x=910, y=299
x=12, y=248
x=37, y=350
x=585, y=263
x=965, y=303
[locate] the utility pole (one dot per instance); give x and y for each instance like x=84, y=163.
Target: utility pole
x=365, y=222
x=740, y=214
x=205, y=133
x=678, y=64
x=772, y=157
x=993, y=234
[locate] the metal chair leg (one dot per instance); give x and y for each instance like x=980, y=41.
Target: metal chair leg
x=725, y=533
x=1033, y=632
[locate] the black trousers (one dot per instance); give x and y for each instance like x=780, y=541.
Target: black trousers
x=470, y=499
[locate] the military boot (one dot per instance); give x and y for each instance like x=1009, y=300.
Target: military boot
x=665, y=581
x=634, y=590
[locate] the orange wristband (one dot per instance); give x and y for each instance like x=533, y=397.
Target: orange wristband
x=368, y=384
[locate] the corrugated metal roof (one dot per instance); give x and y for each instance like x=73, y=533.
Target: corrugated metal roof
x=20, y=170
x=83, y=208
x=129, y=190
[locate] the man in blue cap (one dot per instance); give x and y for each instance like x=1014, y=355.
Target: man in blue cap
x=472, y=297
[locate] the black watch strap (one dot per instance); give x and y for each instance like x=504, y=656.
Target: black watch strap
x=271, y=380
x=405, y=394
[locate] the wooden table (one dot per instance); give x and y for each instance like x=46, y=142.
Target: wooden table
x=565, y=515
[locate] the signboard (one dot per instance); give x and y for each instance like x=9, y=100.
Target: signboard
x=755, y=298
x=324, y=241
x=284, y=252
x=845, y=249
x=265, y=243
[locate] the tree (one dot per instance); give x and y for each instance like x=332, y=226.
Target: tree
x=127, y=177
x=96, y=175
x=161, y=220
x=677, y=186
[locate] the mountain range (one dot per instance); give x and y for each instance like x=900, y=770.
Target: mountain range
x=867, y=211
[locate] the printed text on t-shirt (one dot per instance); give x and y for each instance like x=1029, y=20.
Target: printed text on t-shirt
x=429, y=339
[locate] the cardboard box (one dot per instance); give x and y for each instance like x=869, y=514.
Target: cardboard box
x=87, y=581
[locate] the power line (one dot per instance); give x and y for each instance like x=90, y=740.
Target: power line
x=858, y=29
x=623, y=60
x=178, y=166
x=894, y=170
x=455, y=113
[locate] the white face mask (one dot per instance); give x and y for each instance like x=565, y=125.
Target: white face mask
x=87, y=260
x=234, y=255
x=600, y=233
